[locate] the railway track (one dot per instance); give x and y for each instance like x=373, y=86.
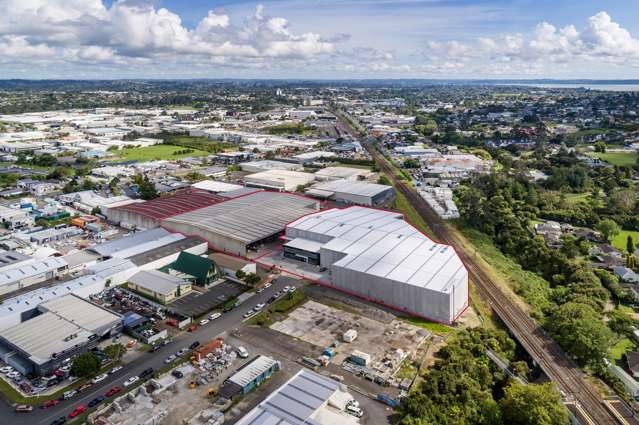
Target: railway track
x=550, y=357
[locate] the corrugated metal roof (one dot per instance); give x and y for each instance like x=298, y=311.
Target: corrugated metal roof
x=156, y=281
x=382, y=244
x=252, y=370
x=353, y=187
x=106, y=249
x=248, y=218
x=168, y=206
x=295, y=402
x=21, y=272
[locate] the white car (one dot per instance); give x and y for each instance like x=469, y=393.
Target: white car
x=241, y=352
x=115, y=369
x=259, y=307
x=267, y=285
x=215, y=315
x=291, y=289
x=248, y=314
x=6, y=369
x=132, y=380
x=204, y=322
x=169, y=359
x=68, y=394
x=286, y=289
x=13, y=375
x=101, y=377
x=355, y=411
x=260, y=290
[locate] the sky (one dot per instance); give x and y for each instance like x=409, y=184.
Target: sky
x=319, y=39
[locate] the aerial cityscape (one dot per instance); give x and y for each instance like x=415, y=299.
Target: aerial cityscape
x=354, y=212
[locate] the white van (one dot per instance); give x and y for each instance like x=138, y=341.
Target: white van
x=242, y=353
x=355, y=411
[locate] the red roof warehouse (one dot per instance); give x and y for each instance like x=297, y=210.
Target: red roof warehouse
x=148, y=215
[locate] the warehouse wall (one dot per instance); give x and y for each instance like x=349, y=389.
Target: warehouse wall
x=217, y=241
x=431, y=304
x=165, y=261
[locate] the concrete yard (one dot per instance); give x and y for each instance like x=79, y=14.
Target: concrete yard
x=321, y=324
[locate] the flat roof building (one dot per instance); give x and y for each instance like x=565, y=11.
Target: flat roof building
x=250, y=376
x=281, y=180
x=21, y=276
x=66, y=326
x=338, y=173
x=353, y=192
x=244, y=222
x=378, y=256
x=308, y=398
x=267, y=164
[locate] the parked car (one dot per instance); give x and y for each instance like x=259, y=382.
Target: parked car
x=177, y=374
x=260, y=289
x=115, y=369
x=132, y=380
x=215, y=315
x=249, y=314
x=267, y=285
x=97, y=400
x=113, y=391
x=181, y=352
x=259, y=306
x=155, y=348
x=78, y=411
x=170, y=359
x=49, y=403
x=23, y=408
x=6, y=369
x=204, y=322
x=242, y=353
x=146, y=373
x=59, y=421
x=85, y=386
x=355, y=411
x=68, y=394
x=101, y=377
x=194, y=345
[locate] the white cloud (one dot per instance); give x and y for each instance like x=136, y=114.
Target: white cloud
x=136, y=30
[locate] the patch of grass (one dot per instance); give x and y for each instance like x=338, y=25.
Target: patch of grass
x=532, y=288
x=282, y=306
x=617, y=351
x=158, y=153
x=201, y=143
x=617, y=158
x=619, y=241
x=437, y=328
x=411, y=215
x=406, y=370
x=577, y=198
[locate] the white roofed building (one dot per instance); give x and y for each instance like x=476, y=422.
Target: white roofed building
x=379, y=256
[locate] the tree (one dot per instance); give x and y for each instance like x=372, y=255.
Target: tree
x=533, y=405
x=251, y=279
x=113, y=186
x=579, y=330
x=147, y=189
x=85, y=365
x=630, y=245
x=240, y=274
x=115, y=351
x=600, y=147
x=608, y=228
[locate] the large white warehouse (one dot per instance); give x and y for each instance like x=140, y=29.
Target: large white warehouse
x=377, y=255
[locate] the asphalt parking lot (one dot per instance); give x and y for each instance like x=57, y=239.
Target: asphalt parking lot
x=196, y=303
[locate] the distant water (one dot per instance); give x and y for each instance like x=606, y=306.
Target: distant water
x=602, y=87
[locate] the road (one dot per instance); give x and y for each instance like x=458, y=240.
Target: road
x=228, y=321
x=551, y=358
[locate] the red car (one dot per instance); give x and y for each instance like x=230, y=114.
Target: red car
x=113, y=391
x=78, y=411
x=50, y=403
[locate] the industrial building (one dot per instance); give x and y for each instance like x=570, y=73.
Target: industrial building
x=307, y=398
x=64, y=327
x=136, y=243
x=339, y=173
x=378, y=256
x=200, y=270
x=353, y=192
x=149, y=214
x=15, y=218
x=267, y=165
x=281, y=180
x=243, y=223
x=164, y=255
x=249, y=376
x=216, y=186
x=158, y=286
x=24, y=275
x=116, y=271
x=17, y=309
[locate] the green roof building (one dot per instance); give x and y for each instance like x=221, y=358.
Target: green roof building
x=202, y=269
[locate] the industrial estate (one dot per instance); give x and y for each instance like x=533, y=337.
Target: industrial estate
x=318, y=253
